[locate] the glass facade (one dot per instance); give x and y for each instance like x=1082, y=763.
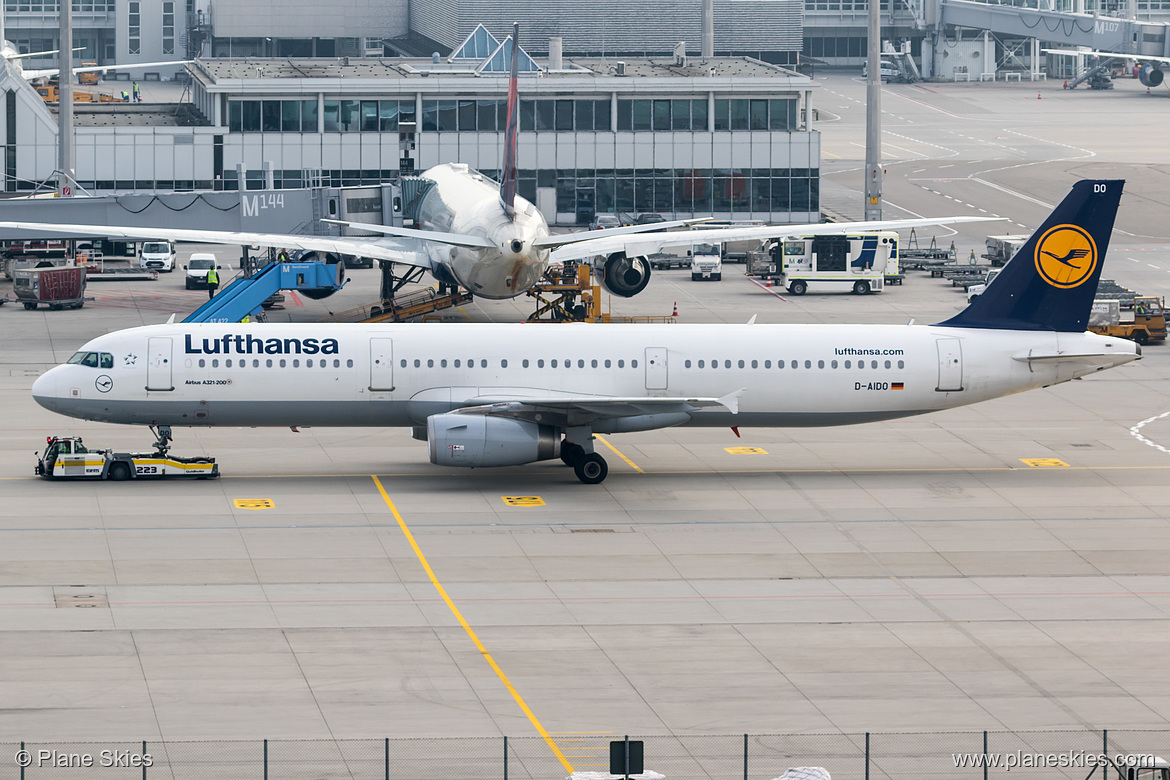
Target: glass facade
x=300, y=116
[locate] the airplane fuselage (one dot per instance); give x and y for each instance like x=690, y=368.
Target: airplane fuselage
x=464, y=201
x=398, y=375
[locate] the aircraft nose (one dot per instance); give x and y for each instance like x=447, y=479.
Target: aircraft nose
x=44, y=389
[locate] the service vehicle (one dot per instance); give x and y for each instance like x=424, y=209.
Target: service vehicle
x=197, y=267
x=1000, y=249
x=56, y=288
x=89, y=76
x=860, y=264
x=1147, y=325
x=706, y=262
x=157, y=256
x=736, y=251
x=604, y=221
x=67, y=457
x=1139, y=767
x=975, y=290
x=888, y=70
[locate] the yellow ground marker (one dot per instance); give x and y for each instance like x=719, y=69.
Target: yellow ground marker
x=1044, y=463
x=255, y=503
x=523, y=500
x=629, y=462
x=745, y=451
x=475, y=639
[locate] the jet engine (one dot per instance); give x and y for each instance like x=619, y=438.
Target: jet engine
x=1150, y=75
x=476, y=440
x=335, y=260
x=626, y=276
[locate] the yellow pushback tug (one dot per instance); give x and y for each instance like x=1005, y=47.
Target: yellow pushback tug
x=66, y=457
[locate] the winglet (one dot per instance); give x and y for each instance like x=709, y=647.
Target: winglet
x=752, y=321
x=508, y=179
x=731, y=400
x=171, y=320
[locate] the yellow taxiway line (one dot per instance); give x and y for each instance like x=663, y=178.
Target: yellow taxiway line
x=629, y=462
x=475, y=639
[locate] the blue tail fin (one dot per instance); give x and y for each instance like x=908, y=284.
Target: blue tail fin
x=1050, y=283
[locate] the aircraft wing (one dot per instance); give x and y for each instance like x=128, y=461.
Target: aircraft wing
x=36, y=74
x=408, y=251
x=1118, y=55
x=645, y=244
x=581, y=409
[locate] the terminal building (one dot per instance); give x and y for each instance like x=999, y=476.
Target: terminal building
x=680, y=136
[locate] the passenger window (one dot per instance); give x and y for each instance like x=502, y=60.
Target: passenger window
x=268, y=363
x=794, y=364
x=594, y=363
x=634, y=363
x=808, y=364
x=901, y=364
x=503, y=364
x=296, y=363
x=568, y=364
x=833, y=364
x=608, y=363
x=456, y=364
x=215, y=362
x=887, y=364
x=741, y=364
x=820, y=364
x=349, y=363
x=755, y=364
x=202, y=362
x=336, y=363
x=107, y=360
x=848, y=364
x=324, y=363
x=431, y=363
x=228, y=363
x=403, y=364
x=581, y=364
x=873, y=364
x=524, y=363
x=687, y=364
x=727, y=364
x=553, y=362
x=255, y=362
x=779, y=364
x=282, y=363
x=700, y=364
x=417, y=363
x=767, y=364
x=540, y=363
x=483, y=364
x=621, y=364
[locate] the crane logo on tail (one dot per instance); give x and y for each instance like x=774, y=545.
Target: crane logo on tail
x=1066, y=256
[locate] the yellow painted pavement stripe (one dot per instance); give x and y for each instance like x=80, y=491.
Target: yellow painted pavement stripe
x=475, y=639
x=631, y=463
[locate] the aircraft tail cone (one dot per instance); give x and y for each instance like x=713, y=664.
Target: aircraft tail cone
x=675, y=312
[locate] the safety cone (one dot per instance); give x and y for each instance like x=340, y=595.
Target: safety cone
x=1039, y=96
x=1066, y=83
x=675, y=312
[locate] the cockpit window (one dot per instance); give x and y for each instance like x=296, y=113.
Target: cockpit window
x=92, y=359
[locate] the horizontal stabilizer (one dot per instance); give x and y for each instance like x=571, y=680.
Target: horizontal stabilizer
x=453, y=239
x=1076, y=359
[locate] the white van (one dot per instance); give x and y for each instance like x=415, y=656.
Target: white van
x=197, y=268
x=888, y=70
x=157, y=255
x=707, y=262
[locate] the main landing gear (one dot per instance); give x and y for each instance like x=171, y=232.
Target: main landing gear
x=589, y=467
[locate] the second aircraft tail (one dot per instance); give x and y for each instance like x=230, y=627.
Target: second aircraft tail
x=1051, y=282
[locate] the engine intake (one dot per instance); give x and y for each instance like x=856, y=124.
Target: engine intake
x=626, y=276
x=335, y=260
x=477, y=440
x=1150, y=75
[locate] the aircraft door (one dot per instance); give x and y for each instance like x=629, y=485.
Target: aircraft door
x=381, y=364
x=158, y=365
x=656, y=368
x=950, y=365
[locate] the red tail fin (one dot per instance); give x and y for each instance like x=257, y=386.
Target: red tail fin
x=508, y=179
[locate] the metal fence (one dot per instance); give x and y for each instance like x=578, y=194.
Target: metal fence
x=864, y=756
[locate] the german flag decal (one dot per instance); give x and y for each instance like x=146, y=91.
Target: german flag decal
x=896, y=386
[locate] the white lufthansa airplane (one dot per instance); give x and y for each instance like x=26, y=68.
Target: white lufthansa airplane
x=9, y=53
x=480, y=235
x=1150, y=72
x=500, y=395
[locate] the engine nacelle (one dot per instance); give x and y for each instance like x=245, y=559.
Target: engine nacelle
x=1150, y=75
x=477, y=440
x=626, y=276
x=310, y=256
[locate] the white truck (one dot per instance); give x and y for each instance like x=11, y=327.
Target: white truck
x=706, y=262
x=975, y=290
x=67, y=457
x=860, y=264
x=157, y=256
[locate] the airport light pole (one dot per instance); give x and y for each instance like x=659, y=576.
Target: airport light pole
x=873, y=116
x=65, y=103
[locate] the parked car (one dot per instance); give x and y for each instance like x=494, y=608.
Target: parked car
x=649, y=219
x=605, y=221
x=197, y=268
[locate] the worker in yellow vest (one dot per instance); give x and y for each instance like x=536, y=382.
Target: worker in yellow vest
x=212, y=282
